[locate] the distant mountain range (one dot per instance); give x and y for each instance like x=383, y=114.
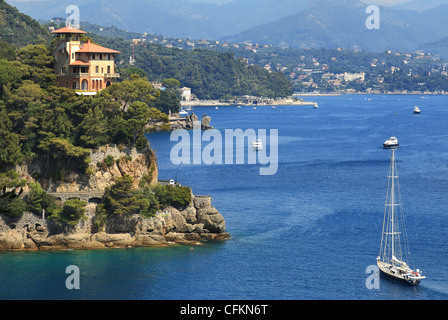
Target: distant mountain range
x=341, y=23
x=291, y=23
x=421, y=5
x=174, y=18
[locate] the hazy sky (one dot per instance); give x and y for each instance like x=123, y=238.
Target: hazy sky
x=379, y=2
x=385, y=3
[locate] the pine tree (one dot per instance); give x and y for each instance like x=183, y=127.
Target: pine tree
x=93, y=129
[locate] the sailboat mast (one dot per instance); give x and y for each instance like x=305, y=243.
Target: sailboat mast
x=392, y=200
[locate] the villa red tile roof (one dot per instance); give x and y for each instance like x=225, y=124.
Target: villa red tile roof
x=94, y=48
x=68, y=29
x=79, y=63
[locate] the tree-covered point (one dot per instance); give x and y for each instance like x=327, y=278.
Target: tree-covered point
x=122, y=199
x=212, y=75
x=41, y=120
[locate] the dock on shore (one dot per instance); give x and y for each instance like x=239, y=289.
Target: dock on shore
x=252, y=101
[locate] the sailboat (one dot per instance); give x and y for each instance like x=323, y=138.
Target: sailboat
x=394, y=251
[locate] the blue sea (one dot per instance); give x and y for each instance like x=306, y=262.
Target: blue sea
x=309, y=232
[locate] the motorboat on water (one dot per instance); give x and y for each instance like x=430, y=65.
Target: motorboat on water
x=392, y=142
x=257, y=144
x=416, y=110
x=182, y=112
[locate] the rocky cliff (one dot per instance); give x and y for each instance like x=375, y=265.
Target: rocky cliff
x=101, y=173
x=188, y=122
x=199, y=222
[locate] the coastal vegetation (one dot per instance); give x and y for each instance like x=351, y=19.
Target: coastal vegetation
x=56, y=129
x=210, y=74
x=52, y=131
x=122, y=199
x=385, y=71
x=18, y=29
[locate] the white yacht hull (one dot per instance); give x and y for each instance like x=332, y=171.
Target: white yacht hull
x=393, y=273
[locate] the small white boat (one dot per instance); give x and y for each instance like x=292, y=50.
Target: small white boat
x=189, y=109
x=182, y=112
x=258, y=144
x=417, y=110
x=392, y=142
x=315, y=106
x=239, y=107
x=216, y=108
x=255, y=108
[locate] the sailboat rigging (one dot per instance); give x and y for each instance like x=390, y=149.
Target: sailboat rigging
x=394, y=251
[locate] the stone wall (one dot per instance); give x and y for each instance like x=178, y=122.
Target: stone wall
x=112, y=150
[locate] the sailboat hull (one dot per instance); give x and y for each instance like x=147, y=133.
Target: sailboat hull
x=386, y=271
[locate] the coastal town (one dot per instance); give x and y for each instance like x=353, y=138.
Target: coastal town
x=322, y=71
x=311, y=70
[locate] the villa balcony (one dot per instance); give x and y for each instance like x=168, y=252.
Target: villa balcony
x=111, y=75
x=79, y=75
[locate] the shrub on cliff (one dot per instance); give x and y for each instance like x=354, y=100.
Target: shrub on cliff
x=11, y=206
x=123, y=199
x=10, y=202
x=73, y=211
x=39, y=200
x=177, y=197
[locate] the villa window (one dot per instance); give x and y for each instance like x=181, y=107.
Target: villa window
x=97, y=69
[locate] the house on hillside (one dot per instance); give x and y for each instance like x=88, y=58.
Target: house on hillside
x=86, y=67
x=186, y=94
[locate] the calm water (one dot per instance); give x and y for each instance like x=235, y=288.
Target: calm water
x=308, y=232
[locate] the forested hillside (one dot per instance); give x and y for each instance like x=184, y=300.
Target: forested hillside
x=19, y=29
x=210, y=74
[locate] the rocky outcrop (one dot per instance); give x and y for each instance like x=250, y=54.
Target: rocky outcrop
x=122, y=161
x=189, y=122
x=205, y=123
x=197, y=223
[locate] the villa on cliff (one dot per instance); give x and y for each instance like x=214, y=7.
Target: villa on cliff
x=86, y=67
